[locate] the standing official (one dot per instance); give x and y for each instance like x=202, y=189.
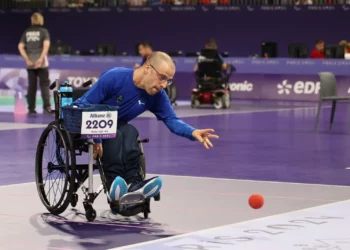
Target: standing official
x=34, y=46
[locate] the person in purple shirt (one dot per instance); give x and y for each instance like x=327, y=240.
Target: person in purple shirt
x=134, y=91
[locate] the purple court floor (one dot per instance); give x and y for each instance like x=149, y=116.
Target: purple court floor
x=264, y=147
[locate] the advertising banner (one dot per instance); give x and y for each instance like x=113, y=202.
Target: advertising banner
x=242, y=86
x=282, y=87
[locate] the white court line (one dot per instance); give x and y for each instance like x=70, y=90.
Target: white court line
x=211, y=178
x=17, y=125
x=225, y=226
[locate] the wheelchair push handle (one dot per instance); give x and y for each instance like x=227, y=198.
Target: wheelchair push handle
x=55, y=84
x=88, y=83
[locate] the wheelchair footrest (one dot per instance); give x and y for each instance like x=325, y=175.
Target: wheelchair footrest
x=127, y=200
x=132, y=199
x=131, y=205
x=135, y=209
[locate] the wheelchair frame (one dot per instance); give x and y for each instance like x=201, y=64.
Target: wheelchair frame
x=77, y=174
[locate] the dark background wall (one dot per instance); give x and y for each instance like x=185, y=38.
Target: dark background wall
x=238, y=30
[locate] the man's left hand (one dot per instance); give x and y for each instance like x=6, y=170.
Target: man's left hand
x=203, y=135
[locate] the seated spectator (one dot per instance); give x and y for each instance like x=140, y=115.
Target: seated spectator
x=344, y=43
x=303, y=2
x=59, y=3
x=136, y=2
x=318, y=52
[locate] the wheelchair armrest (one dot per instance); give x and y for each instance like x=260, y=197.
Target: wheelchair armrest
x=229, y=71
x=232, y=68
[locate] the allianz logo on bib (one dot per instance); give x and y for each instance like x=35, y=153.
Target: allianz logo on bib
x=298, y=87
x=97, y=115
x=241, y=86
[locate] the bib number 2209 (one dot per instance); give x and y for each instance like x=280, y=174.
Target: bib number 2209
x=94, y=124
x=99, y=124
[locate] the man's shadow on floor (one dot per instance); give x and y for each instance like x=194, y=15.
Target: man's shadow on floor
x=107, y=231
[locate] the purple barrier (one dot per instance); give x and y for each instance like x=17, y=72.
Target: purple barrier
x=242, y=86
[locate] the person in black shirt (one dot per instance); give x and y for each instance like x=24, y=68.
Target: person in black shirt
x=34, y=46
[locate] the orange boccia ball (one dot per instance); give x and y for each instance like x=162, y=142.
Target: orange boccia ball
x=256, y=201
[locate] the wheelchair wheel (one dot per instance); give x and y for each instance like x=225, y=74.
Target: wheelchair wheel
x=55, y=169
x=219, y=102
x=194, y=102
x=142, y=160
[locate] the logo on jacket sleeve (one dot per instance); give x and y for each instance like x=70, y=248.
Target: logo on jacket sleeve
x=119, y=98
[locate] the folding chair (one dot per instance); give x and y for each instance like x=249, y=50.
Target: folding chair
x=329, y=92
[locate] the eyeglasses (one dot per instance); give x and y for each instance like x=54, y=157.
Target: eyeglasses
x=163, y=77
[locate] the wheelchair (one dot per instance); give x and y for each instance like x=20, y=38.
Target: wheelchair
x=212, y=82
x=68, y=145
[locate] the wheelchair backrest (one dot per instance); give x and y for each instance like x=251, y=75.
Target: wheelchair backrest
x=209, y=63
x=77, y=93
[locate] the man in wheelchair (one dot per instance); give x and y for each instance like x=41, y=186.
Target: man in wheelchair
x=212, y=76
x=134, y=91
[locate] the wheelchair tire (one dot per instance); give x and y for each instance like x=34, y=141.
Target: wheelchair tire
x=219, y=102
x=64, y=142
x=142, y=160
x=194, y=102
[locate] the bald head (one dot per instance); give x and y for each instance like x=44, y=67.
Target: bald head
x=156, y=73
x=158, y=59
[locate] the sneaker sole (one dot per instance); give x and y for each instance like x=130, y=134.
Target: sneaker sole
x=119, y=188
x=152, y=188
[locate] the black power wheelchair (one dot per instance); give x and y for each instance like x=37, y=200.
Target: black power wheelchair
x=212, y=82
x=67, y=144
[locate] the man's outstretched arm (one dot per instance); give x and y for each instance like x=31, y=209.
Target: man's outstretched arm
x=165, y=112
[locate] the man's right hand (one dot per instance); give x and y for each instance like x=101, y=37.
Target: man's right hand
x=98, y=150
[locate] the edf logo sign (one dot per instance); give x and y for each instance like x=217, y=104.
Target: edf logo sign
x=299, y=87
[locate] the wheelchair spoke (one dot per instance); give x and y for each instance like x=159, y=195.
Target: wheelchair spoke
x=51, y=187
x=52, y=145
